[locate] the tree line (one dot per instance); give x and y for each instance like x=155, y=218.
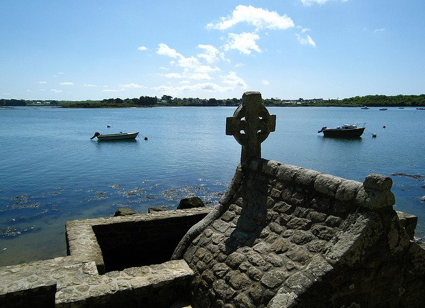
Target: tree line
x=166, y=100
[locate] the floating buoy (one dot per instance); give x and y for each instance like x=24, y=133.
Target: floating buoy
x=374, y=135
x=146, y=138
x=384, y=126
x=108, y=126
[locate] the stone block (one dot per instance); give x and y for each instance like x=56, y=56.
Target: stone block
x=287, y=172
x=374, y=199
x=347, y=190
x=306, y=177
x=408, y=222
x=327, y=184
x=378, y=182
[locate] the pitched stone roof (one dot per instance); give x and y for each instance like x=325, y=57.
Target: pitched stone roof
x=286, y=236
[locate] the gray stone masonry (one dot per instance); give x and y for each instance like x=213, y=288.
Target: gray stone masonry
x=75, y=280
x=285, y=236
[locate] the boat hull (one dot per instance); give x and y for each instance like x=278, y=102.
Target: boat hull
x=115, y=137
x=344, y=133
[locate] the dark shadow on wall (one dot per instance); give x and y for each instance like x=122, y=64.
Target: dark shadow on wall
x=252, y=203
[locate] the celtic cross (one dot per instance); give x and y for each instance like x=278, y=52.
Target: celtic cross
x=251, y=124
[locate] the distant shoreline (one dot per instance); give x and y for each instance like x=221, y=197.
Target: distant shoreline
x=399, y=101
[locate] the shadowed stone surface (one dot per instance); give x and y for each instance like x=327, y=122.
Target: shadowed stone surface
x=292, y=237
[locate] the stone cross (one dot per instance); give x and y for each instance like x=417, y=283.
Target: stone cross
x=251, y=124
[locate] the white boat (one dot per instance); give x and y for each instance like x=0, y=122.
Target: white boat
x=118, y=136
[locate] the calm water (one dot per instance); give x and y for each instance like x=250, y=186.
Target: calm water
x=51, y=171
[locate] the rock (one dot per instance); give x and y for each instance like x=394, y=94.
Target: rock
x=124, y=212
x=190, y=203
x=154, y=209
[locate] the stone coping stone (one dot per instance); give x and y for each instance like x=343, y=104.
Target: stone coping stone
x=46, y=273
x=77, y=291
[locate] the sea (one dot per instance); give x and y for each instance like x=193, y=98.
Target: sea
x=51, y=171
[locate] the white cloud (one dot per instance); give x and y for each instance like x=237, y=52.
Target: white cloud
x=42, y=82
x=379, y=30
x=310, y=2
x=200, y=76
x=192, y=66
x=188, y=75
x=257, y=17
x=265, y=82
x=88, y=85
x=206, y=87
x=142, y=48
x=131, y=86
x=244, y=42
x=112, y=90
x=56, y=91
x=173, y=75
x=190, y=62
x=164, y=50
x=66, y=83
x=210, y=54
x=234, y=81
x=308, y=41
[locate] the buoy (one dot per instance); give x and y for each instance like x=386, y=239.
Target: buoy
x=108, y=126
x=146, y=138
x=384, y=126
x=373, y=135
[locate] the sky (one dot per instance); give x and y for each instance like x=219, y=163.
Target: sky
x=286, y=49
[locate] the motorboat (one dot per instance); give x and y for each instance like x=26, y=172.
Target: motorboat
x=383, y=109
x=365, y=107
x=114, y=137
x=344, y=131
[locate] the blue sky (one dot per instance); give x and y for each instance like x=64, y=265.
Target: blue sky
x=287, y=49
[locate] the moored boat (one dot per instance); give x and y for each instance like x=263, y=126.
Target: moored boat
x=114, y=137
x=344, y=131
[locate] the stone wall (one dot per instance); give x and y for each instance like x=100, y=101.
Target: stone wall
x=284, y=236
x=79, y=280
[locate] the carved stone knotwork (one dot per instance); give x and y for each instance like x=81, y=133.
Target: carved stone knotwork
x=251, y=124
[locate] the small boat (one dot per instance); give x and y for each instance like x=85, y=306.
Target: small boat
x=383, y=109
x=365, y=107
x=420, y=108
x=118, y=136
x=344, y=131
